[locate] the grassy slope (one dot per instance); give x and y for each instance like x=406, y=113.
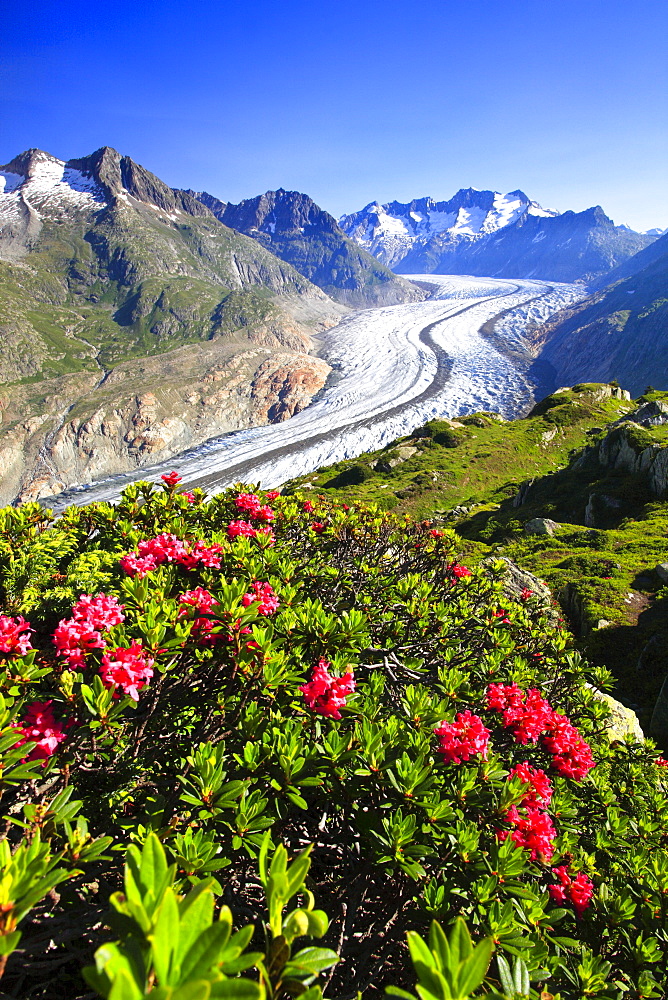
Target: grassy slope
x=599, y=574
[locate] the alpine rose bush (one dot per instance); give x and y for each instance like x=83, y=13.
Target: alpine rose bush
x=262, y=665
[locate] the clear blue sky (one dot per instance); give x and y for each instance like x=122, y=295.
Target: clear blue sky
x=353, y=100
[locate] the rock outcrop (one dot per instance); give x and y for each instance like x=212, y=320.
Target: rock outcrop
x=146, y=413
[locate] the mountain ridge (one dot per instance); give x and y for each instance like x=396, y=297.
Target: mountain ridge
x=292, y=226
x=486, y=233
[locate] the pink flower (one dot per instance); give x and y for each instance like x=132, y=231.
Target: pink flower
x=199, y=598
x=73, y=639
x=11, y=640
x=190, y=497
x=237, y=528
x=539, y=792
x=463, y=738
x=166, y=548
x=530, y=716
x=533, y=830
x=326, y=693
x=437, y=533
x=264, y=513
x=308, y=507
x=318, y=527
x=249, y=503
x=135, y=565
x=101, y=612
x=526, y=594
x=459, y=570
x=273, y=494
x=40, y=727
x=127, y=668
x=171, y=478
x=572, y=754
x=263, y=593
x=577, y=891
x=502, y=616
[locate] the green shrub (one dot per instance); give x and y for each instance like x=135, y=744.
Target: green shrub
x=265, y=671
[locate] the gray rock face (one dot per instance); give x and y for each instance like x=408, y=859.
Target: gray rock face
x=662, y=571
x=518, y=579
x=622, y=722
x=540, y=526
x=292, y=226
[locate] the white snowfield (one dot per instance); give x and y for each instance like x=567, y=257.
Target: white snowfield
x=389, y=232
x=50, y=187
x=394, y=369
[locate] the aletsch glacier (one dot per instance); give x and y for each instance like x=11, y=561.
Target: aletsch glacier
x=395, y=368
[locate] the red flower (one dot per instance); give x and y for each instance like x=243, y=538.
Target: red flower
x=326, y=693
x=318, y=527
x=190, y=497
x=247, y=502
x=533, y=830
x=459, y=570
x=308, y=507
x=264, y=513
x=539, y=792
x=578, y=891
x=11, y=640
x=73, y=639
x=171, y=478
x=237, y=528
x=267, y=601
x=127, y=668
x=40, y=727
x=273, y=494
x=199, y=598
x=526, y=594
x=101, y=612
x=463, y=738
x=168, y=548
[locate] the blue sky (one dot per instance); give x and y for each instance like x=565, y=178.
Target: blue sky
x=353, y=100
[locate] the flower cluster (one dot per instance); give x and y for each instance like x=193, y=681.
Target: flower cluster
x=91, y=616
x=533, y=828
x=263, y=593
x=577, y=891
x=11, y=639
x=40, y=727
x=463, y=738
x=325, y=693
x=202, y=603
x=250, y=504
x=530, y=717
x=127, y=668
x=459, y=571
x=171, y=478
x=167, y=548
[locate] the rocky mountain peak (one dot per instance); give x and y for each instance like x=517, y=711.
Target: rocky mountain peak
x=279, y=211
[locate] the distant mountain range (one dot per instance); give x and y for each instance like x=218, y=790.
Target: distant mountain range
x=619, y=332
x=293, y=227
x=493, y=235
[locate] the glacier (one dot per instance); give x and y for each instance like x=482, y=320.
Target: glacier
x=394, y=368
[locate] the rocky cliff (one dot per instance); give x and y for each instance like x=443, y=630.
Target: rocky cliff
x=620, y=332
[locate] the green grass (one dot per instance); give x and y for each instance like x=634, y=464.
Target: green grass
x=591, y=571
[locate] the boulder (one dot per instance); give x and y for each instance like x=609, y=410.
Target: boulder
x=622, y=722
x=540, y=526
x=662, y=572
x=517, y=580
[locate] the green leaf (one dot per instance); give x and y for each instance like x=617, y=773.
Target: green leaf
x=476, y=966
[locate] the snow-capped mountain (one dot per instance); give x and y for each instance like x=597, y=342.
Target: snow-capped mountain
x=390, y=231
x=490, y=234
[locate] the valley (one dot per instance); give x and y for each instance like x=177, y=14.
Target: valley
x=393, y=369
